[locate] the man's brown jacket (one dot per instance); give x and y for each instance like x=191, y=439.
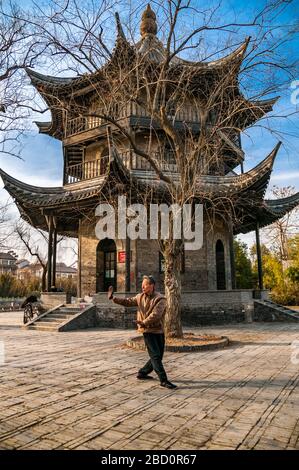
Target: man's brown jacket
x=151, y=310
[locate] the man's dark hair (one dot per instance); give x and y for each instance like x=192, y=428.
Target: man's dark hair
x=150, y=279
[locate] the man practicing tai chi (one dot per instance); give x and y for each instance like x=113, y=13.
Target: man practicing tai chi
x=151, y=310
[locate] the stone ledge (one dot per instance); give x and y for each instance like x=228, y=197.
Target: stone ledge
x=219, y=343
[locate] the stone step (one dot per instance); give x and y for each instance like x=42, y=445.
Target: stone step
x=59, y=313
x=44, y=323
x=50, y=320
x=59, y=317
x=77, y=305
x=42, y=328
x=68, y=310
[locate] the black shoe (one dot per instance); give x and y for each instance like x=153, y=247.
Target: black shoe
x=168, y=384
x=143, y=376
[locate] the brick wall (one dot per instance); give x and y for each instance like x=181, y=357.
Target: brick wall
x=115, y=317
x=88, y=260
x=198, y=308
x=200, y=265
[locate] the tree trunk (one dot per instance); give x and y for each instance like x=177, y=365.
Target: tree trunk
x=172, y=282
x=44, y=276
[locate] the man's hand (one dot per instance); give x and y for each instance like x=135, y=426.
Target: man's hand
x=140, y=323
x=110, y=293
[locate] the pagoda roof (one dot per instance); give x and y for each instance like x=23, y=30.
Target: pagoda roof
x=153, y=49
x=246, y=112
x=281, y=206
x=270, y=211
x=255, y=180
x=70, y=202
x=44, y=127
x=45, y=197
x=150, y=49
x=42, y=79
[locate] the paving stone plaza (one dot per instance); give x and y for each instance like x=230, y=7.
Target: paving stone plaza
x=78, y=390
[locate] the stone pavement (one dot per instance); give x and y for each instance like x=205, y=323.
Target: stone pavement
x=77, y=390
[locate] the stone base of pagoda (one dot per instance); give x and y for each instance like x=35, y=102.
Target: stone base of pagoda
x=198, y=308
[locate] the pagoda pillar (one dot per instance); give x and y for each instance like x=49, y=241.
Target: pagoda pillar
x=259, y=256
x=128, y=265
x=53, y=282
x=49, y=219
x=79, y=261
x=232, y=256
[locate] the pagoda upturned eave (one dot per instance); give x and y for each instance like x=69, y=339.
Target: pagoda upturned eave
x=283, y=205
x=45, y=82
x=119, y=174
x=70, y=201
x=269, y=212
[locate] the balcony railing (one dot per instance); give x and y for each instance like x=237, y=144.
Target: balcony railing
x=86, y=170
x=132, y=161
x=81, y=124
x=135, y=162
x=84, y=123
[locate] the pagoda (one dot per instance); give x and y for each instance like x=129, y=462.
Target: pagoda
x=100, y=162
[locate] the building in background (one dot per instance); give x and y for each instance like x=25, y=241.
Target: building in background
x=35, y=270
x=8, y=263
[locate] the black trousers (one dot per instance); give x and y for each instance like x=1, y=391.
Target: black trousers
x=154, y=343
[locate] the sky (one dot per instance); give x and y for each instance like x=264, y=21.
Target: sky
x=42, y=160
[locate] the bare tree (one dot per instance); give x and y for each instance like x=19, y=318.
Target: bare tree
x=5, y=224
x=161, y=83
x=18, y=50
x=279, y=233
x=34, y=245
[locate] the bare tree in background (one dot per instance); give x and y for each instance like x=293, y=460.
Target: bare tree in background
x=34, y=246
x=78, y=39
x=18, y=50
x=5, y=224
x=279, y=233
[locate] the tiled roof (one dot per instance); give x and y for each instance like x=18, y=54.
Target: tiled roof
x=7, y=256
x=246, y=190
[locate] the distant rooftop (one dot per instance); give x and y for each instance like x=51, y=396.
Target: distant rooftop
x=7, y=256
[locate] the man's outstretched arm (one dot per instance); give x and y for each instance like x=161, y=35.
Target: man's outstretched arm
x=126, y=302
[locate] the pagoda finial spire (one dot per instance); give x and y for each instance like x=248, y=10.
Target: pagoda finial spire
x=120, y=31
x=148, y=22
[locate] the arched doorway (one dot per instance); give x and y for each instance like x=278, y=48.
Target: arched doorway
x=106, y=265
x=220, y=266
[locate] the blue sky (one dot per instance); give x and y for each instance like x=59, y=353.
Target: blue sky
x=42, y=155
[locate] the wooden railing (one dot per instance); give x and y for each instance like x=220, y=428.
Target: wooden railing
x=132, y=161
x=84, y=123
x=81, y=124
x=187, y=114
x=135, y=162
x=86, y=170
